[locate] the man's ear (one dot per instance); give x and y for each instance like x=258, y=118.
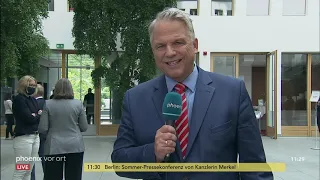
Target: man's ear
x=195, y=45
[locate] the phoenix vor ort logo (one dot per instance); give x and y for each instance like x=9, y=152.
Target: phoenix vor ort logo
x=170, y=105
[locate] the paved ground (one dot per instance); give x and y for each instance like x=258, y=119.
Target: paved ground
x=287, y=150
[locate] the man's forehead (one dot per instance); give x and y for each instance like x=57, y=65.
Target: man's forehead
x=171, y=37
x=169, y=27
x=168, y=22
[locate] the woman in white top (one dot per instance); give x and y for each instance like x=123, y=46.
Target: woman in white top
x=9, y=116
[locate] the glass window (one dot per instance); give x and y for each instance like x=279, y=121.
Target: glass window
x=105, y=104
x=225, y=65
x=315, y=82
x=79, y=68
x=294, y=90
x=79, y=73
x=221, y=7
x=294, y=7
x=188, y=6
x=50, y=5
x=54, y=64
x=194, y=12
x=218, y=12
x=257, y=7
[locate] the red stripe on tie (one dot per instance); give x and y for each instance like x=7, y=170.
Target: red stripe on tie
x=183, y=136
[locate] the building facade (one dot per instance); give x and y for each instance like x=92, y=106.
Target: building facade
x=273, y=45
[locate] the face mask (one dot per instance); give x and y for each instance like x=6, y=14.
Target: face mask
x=30, y=90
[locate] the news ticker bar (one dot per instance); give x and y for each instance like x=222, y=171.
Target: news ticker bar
x=185, y=167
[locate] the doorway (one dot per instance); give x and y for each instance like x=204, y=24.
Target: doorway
x=258, y=71
x=253, y=71
x=78, y=71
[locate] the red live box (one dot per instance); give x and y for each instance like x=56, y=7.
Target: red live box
x=22, y=166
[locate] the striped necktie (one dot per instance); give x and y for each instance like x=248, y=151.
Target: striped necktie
x=182, y=127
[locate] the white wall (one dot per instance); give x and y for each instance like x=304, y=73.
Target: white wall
x=57, y=28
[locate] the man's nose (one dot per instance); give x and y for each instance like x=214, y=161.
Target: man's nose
x=170, y=51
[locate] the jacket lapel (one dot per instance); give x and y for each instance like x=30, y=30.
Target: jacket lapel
x=160, y=91
x=202, y=99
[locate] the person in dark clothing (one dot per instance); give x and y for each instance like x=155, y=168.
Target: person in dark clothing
x=27, y=115
x=41, y=103
x=89, y=104
x=9, y=116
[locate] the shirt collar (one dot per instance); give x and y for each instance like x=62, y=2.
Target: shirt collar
x=189, y=82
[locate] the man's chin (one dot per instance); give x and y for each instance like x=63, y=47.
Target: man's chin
x=175, y=76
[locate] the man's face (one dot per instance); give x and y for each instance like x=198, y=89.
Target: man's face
x=174, y=49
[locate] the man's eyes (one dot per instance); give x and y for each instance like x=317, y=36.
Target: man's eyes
x=175, y=43
x=160, y=46
x=178, y=42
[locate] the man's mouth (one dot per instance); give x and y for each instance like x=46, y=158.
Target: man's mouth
x=173, y=63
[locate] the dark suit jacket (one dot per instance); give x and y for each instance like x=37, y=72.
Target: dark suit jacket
x=41, y=104
x=223, y=125
x=23, y=106
x=89, y=99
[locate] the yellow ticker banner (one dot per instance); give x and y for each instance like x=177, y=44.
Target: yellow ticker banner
x=184, y=167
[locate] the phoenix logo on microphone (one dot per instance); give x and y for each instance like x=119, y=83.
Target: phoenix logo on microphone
x=169, y=105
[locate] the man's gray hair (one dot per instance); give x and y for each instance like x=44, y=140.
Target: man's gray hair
x=173, y=14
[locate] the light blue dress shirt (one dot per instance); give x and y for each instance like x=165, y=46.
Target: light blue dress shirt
x=190, y=82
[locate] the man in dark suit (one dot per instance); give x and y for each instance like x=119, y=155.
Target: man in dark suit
x=217, y=123
x=41, y=103
x=89, y=104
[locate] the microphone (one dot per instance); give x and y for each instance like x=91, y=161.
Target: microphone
x=171, y=110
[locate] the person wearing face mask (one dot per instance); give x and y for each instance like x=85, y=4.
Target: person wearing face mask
x=27, y=114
